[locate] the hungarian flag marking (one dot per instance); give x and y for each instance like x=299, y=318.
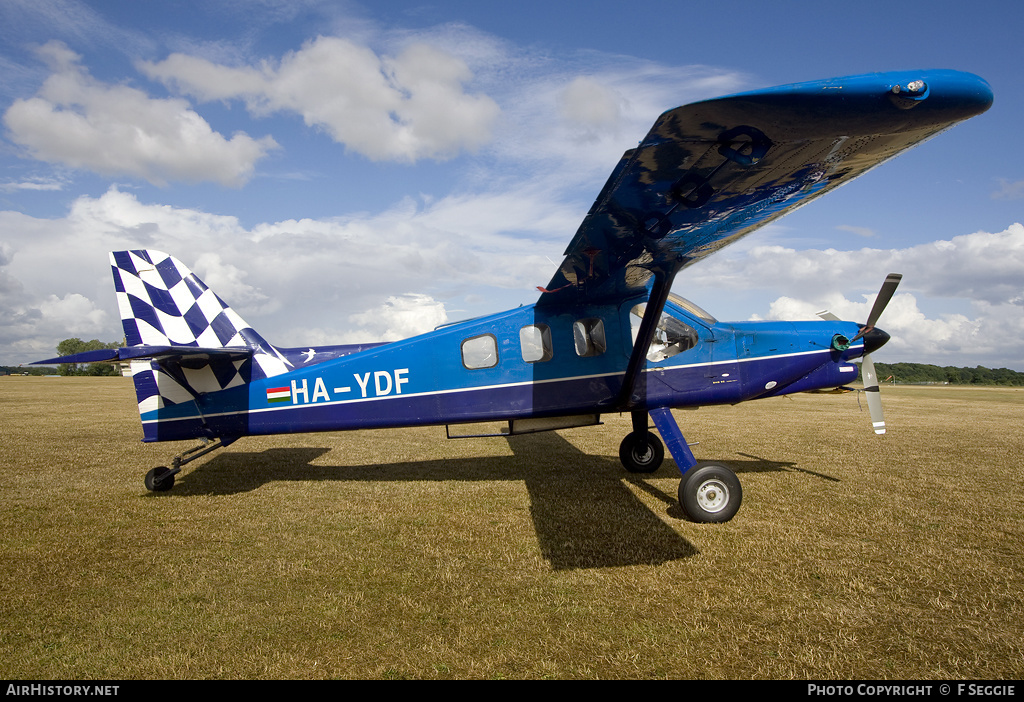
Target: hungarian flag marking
x=279, y=394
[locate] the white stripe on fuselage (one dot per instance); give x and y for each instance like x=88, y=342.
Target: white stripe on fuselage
x=481, y=388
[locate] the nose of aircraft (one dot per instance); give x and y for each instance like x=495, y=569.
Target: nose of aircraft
x=874, y=340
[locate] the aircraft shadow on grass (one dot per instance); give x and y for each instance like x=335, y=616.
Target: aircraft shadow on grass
x=585, y=510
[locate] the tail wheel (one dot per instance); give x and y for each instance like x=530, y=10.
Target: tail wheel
x=641, y=453
x=710, y=494
x=159, y=479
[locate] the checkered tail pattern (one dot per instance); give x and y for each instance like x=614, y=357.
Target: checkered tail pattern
x=164, y=304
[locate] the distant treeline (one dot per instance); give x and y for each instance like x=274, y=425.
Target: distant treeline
x=925, y=373
x=67, y=348
x=28, y=370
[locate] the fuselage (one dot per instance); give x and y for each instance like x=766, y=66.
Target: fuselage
x=532, y=361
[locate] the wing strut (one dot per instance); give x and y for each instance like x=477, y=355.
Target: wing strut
x=634, y=392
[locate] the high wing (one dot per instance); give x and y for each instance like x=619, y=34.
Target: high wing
x=710, y=173
x=714, y=171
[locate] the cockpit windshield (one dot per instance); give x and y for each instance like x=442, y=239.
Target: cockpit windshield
x=691, y=308
x=671, y=336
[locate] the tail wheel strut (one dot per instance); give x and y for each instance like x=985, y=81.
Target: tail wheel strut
x=161, y=479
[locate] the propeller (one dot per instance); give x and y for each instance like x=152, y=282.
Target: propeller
x=873, y=394
x=892, y=281
x=873, y=339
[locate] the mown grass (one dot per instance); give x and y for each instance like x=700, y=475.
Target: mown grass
x=398, y=554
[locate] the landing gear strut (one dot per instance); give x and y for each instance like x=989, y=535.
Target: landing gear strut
x=161, y=479
x=708, y=493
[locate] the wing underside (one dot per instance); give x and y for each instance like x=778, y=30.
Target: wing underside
x=709, y=173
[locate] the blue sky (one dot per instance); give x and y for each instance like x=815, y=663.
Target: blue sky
x=345, y=172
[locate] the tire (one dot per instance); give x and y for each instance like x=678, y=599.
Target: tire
x=158, y=480
x=641, y=453
x=710, y=494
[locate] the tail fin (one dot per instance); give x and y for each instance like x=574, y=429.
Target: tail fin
x=165, y=307
x=163, y=303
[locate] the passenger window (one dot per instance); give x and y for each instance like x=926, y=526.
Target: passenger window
x=535, y=341
x=589, y=337
x=480, y=352
x=671, y=336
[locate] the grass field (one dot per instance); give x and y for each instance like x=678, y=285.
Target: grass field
x=399, y=554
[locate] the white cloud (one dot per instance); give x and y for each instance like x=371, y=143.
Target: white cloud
x=902, y=318
x=30, y=327
x=865, y=232
x=83, y=123
x=228, y=281
x=406, y=270
x=73, y=312
x=545, y=116
x=32, y=184
x=400, y=108
x=1009, y=190
x=981, y=266
x=979, y=275
x=399, y=318
x=592, y=106
x=343, y=280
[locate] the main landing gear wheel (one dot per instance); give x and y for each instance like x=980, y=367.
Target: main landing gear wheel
x=641, y=453
x=160, y=479
x=710, y=494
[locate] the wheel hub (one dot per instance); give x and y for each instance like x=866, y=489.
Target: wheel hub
x=713, y=496
x=644, y=454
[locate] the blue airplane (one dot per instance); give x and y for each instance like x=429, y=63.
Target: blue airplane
x=606, y=334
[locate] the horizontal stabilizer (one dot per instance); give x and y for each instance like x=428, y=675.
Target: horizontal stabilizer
x=97, y=356
x=155, y=353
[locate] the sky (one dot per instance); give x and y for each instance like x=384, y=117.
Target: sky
x=343, y=172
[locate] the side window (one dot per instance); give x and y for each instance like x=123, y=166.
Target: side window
x=535, y=341
x=480, y=352
x=671, y=336
x=589, y=337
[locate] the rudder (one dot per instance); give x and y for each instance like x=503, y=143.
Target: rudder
x=164, y=304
